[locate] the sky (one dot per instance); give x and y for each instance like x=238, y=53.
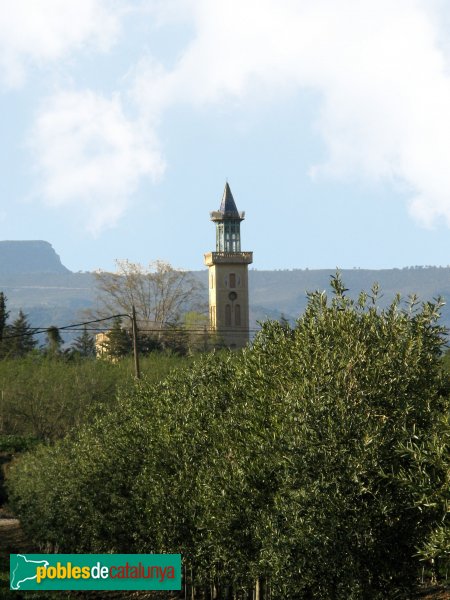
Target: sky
x=121, y=121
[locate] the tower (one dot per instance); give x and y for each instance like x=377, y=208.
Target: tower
x=228, y=276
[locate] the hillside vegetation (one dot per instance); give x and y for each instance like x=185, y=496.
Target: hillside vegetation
x=314, y=464
x=43, y=398
x=61, y=299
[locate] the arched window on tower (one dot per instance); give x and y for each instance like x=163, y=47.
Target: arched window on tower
x=237, y=315
x=227, y=315
x=232, y=280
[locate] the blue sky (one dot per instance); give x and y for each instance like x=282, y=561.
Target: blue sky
x=121, y=121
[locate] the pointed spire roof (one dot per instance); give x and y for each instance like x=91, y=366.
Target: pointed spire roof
x=228, y=205
x=228, y=209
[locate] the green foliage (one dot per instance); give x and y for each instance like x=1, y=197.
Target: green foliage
x=16, y=339
x=295, y=463
x=45, y=398
x=17, y=443
x=20, y=340
x=199, y=336
x=3, y=315
x=118, y=341
x=428, y=481
x=148, y=344
x=54, y=342
x=446, y=361
x=3, y=319
x=84, y=345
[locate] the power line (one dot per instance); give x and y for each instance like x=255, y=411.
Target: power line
x=165, y=329
x=38, y=330
x=172, y=329
x=135, y=333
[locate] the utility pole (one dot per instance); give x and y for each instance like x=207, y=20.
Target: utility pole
x=137, y=371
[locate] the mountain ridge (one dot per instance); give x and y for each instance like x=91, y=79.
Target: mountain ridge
x=51, y=294
x=29, y=256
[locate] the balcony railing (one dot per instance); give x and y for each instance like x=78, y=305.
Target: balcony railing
x=229, y=257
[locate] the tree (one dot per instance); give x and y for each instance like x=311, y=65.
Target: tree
x=148, y=343
x=160, y=293
x=199, y=336
x=54, y=342
x=428, y=482
x=3, y=315
x=3, y=320
x=47, y=398
x=84, y=345
x=290, y=468
x=20, y=339
x=118, y=341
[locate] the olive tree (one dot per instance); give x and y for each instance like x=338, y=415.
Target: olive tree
x=306, y=466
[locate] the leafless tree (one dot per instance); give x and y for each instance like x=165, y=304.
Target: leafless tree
x=160, y=293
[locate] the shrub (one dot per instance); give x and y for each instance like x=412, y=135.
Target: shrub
x=288, y=464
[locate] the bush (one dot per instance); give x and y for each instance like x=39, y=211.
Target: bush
x=46, y=397
x=288, y=464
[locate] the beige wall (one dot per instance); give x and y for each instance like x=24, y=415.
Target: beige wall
x=100, y=340
x=228, y=300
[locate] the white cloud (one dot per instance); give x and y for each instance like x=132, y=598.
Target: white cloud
x=381, y=68
x=38, y=31
x=89, y=154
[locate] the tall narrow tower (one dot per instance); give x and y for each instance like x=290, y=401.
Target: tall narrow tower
x=228, y=276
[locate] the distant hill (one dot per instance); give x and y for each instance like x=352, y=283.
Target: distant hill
x=29, y=257
x=52, y=295
x=286, y=291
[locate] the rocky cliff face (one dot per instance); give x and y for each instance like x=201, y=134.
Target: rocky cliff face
x=29, y=257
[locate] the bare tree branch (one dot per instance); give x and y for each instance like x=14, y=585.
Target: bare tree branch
x=160, y=293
